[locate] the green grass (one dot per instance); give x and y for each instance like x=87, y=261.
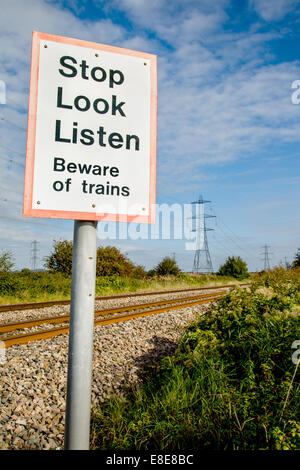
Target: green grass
x=44, y=286
x=231, y=384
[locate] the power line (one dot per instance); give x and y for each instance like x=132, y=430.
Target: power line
x=229, y=238
x=13, y=124
x=4, y=199
x=247, y=251
x=226, y=236
x=11, y=150
x=6, y=189
x=227, y=250
x=12, y=161
x=242, y=250
x=12, y=202
x=8, y=99
x=232, y=240
x=16, y=220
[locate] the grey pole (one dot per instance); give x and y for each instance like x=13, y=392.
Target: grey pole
x=78, y=406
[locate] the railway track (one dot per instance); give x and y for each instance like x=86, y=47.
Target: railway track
x=102, y=317
x=38, y=305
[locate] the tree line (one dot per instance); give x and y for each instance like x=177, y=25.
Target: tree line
x=111, y=261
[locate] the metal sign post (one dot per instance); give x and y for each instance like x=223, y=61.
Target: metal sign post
x=77, y=428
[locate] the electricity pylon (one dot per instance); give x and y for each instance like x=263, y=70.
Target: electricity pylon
x=266, y=254
x=34, y=252
x=202, y=259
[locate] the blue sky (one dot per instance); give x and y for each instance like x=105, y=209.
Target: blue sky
x=227, y=127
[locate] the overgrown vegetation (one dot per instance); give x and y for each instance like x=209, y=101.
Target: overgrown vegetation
x=30, y=286
x=230, y=385
x=110, y=261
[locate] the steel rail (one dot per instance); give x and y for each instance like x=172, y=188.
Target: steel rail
x=8, y=327
x=44, y=334
x=50, y=303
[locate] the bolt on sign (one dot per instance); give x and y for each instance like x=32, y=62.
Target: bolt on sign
x=91, y=142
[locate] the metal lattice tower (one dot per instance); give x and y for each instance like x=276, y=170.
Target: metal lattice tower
x=202, y=259
x=266, y=254
x=34, y=254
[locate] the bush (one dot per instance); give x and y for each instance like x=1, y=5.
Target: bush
x=60, y=260
x=296, y=262
x=110, y=261
x=151, y=273
x=6, y=261
x=9, y=283
x=139, y=272
x=168, y=266
x=25, y=272
x=234, y=267
x=229, y=386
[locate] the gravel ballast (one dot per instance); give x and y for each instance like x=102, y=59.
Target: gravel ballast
x=33, y=375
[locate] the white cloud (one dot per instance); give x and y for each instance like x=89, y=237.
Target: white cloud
x=244, y=111
x=175, y=22
x=273, y=10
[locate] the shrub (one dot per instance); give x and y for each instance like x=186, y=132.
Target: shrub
x=139, y=272
x=235, y=267
x=168, y=266
x=25, y=272
x=6, y=261
x=110, y=261
x=60, y=260
x=296, y=262
x=151, y=273
x=9, y=283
